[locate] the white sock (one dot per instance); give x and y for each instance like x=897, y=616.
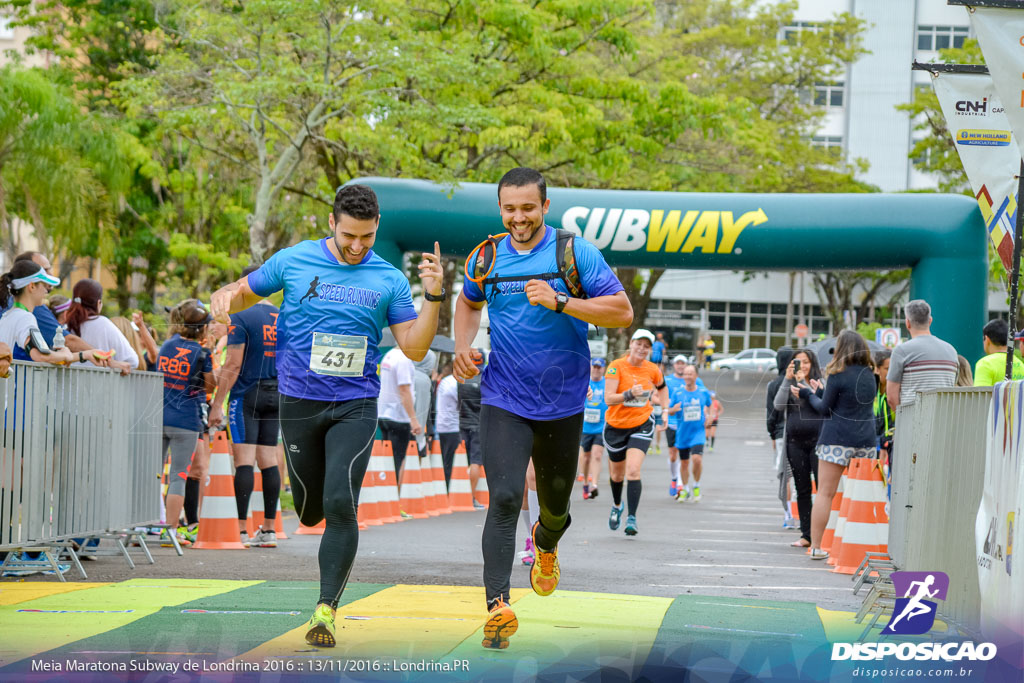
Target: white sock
x=525, y=516
x=675, y=470
x=531, y=498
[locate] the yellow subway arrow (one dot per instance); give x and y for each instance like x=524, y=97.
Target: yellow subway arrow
x=731, y=231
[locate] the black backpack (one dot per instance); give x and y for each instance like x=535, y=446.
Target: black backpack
x=565, y=258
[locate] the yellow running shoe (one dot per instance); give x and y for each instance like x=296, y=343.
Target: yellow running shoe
x=321, y=627
x=544, y=573
x=500, y=626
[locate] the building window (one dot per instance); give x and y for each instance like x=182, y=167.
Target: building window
x=941, y=37
x=758, y=308
x=791, y=33
x=671, y=305
x=6, y=30
x=829, y=94
x=737, y=323
x=831, y=143
x=716, y=306
x=716, y=322
x=695, y=305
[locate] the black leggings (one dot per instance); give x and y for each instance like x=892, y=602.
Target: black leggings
x=449, y=444
x=328, y=445
x=509, y=442
x=803, y=463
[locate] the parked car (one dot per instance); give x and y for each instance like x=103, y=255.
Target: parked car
x=748, y=359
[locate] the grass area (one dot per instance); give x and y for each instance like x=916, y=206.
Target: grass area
x=287, y=502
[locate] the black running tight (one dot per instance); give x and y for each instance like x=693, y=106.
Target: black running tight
x=328, y=446
x=509, y=442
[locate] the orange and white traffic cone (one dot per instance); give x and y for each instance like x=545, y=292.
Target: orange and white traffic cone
x=844, y=509
x=428, y=484
x=460, y=497
x=482, y=493
x=440, y=489
x=833, y=517
x=218, y=516
x=411, y=493
x=317, y=530
x=866, y=518
x=367, y=513
x=387, y=482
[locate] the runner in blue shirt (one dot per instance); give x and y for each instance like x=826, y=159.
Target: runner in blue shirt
x=672, y=381
x=338, y=297
x=689, y=401
x=535, y=383
x=249, y=374
x=188, y=377
x=593, y=426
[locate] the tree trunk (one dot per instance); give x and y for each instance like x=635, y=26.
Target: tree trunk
x=639, y=291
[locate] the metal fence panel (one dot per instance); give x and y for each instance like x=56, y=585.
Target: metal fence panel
x=937, y=477
x=80, y=452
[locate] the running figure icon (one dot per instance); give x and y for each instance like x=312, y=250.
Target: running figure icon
x=915, y=607
x=314, y=283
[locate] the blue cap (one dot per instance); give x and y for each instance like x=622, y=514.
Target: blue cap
x=598, y=362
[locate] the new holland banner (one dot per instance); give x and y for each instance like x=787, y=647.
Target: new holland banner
x=998, y=531
x=1001, y=36
x=987, y=150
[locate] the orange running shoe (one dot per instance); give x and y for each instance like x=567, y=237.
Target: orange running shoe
x=500, y=626
x=544, y=574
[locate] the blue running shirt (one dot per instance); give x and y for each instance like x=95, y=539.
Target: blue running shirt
x=343, y=308
x=690, y=429
x=593, y=409
x=256, y=327
x=539, y=364
x=183, y=362
x=672, y=382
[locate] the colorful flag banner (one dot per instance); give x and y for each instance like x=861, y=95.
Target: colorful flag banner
x=989, y=154
x=1001, y=36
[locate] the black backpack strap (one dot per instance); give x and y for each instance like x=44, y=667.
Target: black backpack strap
x=565, y=257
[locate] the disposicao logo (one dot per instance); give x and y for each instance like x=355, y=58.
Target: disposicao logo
x=707, y=232
x=983, y=138
x=914, y=614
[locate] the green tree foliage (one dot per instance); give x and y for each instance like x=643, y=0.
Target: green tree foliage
x=61, y=169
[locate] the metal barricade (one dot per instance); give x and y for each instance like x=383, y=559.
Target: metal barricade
x=937, y=476
x=79, y=453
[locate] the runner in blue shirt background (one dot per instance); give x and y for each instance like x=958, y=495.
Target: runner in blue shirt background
x=338, y=297
x=672, y=381
x=535, y=382
x=249, y=375
x=690, y=401
x=592, y=444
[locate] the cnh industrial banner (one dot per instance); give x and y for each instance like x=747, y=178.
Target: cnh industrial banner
x=998, y=526
x=1001, y=36
x=981, y=133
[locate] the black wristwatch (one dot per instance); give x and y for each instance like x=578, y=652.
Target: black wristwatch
x=561, y=299
x=81, y=358
x=440, y=297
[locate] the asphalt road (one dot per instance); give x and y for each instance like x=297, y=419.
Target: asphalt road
x=729, y=544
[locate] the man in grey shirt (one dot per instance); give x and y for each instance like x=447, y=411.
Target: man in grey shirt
x=924, y=362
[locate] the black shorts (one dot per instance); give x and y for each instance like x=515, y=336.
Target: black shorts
x=670, y=435
x=617, y=441
x=713, y=424
x=589, y=441
x=471, y=438
x=254, y=417
x=696, y=449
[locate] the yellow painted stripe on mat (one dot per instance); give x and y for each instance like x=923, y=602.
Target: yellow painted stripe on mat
x=30, y=633
x=841, y=627
x=570, y=626
x=13, y=593
x=403, y=622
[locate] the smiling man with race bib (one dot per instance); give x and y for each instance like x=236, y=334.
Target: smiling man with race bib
x=338, y=297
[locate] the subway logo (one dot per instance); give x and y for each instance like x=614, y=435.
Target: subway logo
x=706, y=232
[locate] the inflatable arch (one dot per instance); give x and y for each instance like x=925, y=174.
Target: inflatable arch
x=940, y=237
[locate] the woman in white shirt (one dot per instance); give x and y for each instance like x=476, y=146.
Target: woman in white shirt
x=28, y=284
x=448, y=419
x=84, y=320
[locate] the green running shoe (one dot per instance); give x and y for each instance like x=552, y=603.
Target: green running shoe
x=321, y=627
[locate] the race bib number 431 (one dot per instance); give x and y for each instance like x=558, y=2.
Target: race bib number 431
x=338, y=355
